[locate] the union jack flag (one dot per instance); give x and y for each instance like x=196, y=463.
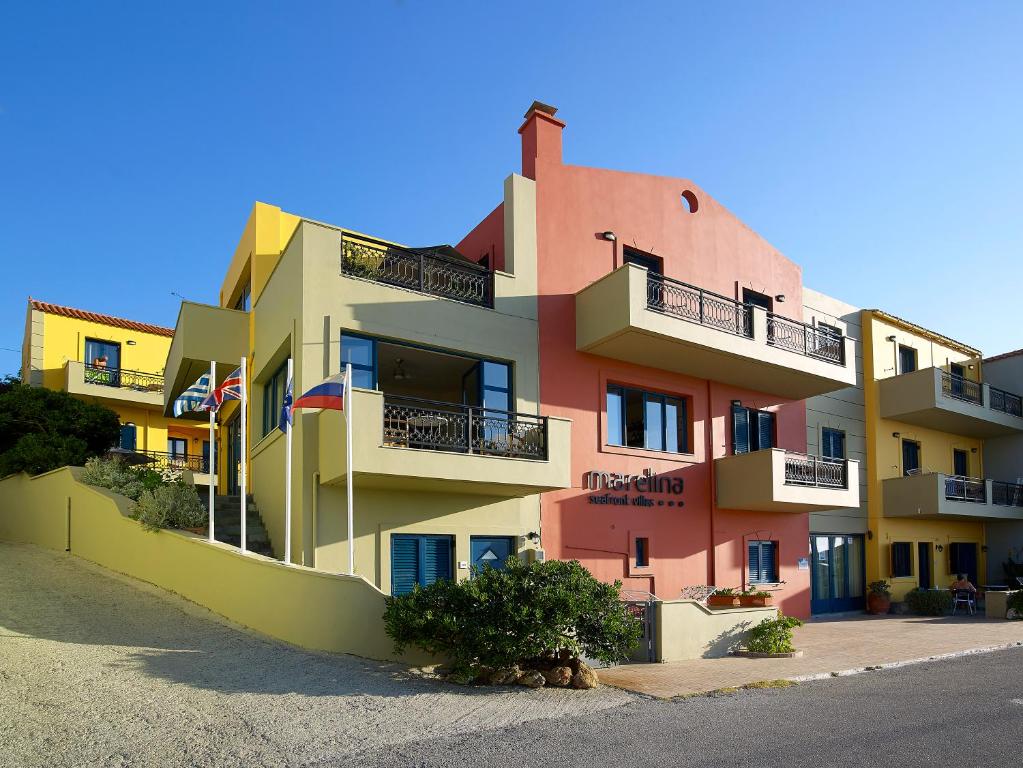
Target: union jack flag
x=231, y=389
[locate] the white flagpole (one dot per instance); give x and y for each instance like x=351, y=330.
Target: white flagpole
x=212, y=468
x=244, y=402
x=287, y=470
x=348, y=466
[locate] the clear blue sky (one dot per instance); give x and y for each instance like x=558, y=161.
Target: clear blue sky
x=879, y=145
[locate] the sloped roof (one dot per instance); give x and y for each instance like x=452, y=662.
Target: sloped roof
x=1004, y=355
x=95, y=317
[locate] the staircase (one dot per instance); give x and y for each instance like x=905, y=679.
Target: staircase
x=227, y=524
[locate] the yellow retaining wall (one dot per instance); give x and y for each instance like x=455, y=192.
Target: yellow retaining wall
x=311, y=609
x=686, y=629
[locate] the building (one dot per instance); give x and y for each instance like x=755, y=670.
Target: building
x=930, y=415
x=117, y=363
x=1003, y=457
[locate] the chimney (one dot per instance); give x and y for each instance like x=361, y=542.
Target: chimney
x=541, y=138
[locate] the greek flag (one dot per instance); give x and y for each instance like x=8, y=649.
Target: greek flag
x=286, y=418
x=191, y=399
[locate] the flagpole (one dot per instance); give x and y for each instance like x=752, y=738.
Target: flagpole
x=287, y=472
x=212, y=468
x=244, y=401
x=348, y=467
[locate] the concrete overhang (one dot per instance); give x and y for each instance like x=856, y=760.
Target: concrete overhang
x=114, y=386
x=203, y=334
x=614, y=319
x=775, y=480
x=933, y=399
x=935, y=496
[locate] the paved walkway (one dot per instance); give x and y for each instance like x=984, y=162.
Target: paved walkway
x=829, y=646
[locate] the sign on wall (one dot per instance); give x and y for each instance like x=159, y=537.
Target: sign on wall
x=634, y=490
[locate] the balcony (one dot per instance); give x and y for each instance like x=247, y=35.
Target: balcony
x=433, y=271
x=654, y=321
x=936, y=496
x=777, y=480
x=203, y=333
x=936, y=399
x=116, y=385
x=175, y=463
x=404, y=443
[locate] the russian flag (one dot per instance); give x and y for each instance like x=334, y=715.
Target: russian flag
x=329, y=394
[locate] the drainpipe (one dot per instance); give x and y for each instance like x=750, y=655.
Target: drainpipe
x=709, y=455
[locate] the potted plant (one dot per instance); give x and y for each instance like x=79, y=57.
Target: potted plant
x=879, y=597
x=723, y=598
x=755, y=598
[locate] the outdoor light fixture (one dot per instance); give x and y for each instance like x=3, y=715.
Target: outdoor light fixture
x=780, y=298
x=609, y=236
x=939, y=548
x=737, y=403
x=890, y=338
x=896, y=434
x=533, y=536
x=983, y=547
x=973, y=450
x=970, y=366
x=131, y=343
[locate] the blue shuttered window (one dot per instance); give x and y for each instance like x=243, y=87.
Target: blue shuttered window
x=419, y=560
x=832, y=443
x=763, y=562
x=751, y=430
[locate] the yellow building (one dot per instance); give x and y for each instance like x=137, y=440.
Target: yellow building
x=117, y=363
x=928, y=414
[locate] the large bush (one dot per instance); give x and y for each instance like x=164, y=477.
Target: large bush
x=543, y=610
x=1015, y=603
x=174, y=505
x=929, y=602
x=41, y=429
x=116, y=475
x=773, y=635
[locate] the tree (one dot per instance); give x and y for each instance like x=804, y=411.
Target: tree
x=41, y=429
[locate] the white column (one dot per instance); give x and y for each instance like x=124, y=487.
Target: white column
x=287, y=471
x=242, y=451
x=350, y=481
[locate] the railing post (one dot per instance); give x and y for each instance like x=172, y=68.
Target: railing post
x=700, y=296
x=422, y=273
x=470, y=438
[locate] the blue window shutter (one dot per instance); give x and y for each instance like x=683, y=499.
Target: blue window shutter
x=436, y=561
x=404, y=564
x=740, y=430
x=765, y=430
x=768, y=564
x=754, y=561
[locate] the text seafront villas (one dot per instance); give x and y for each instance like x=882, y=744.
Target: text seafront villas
x=117, y=363
x=930, y=416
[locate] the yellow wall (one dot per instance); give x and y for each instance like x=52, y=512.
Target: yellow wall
x=884, y=452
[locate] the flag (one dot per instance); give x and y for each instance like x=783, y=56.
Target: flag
x=329, y=394
x=286, y=420
x=191, y=399
x=231, y=389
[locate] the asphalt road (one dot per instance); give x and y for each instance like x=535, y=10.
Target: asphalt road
x=958, y=713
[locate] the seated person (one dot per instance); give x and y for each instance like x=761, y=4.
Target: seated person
x=962, y=582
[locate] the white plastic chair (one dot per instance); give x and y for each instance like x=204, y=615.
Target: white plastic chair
x=963, y=597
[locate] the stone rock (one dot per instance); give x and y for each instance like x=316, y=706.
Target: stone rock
x=504, y=676
x=461, y=677
x=584, y=677
x=558, y=676
x=531, y=679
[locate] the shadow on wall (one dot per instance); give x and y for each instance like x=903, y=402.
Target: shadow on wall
x=728, y=641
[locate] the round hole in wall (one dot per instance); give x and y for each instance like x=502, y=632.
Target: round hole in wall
x=689, y=201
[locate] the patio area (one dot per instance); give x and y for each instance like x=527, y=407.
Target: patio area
x=830, y=646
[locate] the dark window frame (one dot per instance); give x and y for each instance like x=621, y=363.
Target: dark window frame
x=654, y=264
x=642, y=545
x=183, y=441
x=752, y=441
x=762, y=576
x=828, y=444
x=273, y=398
x=682, y=419
x=904, y=349
x=901, y=559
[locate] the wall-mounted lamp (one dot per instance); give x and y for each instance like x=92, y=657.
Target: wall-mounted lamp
x=737, y=403
x=533, y=536
x=890, y=338
x=896, y=434
x=973, y=450
x=971, y=366
x=983, y=547
x=870, y=534
x=609, y=236
x=780, y=298
x=131, y=343
x=939, y=547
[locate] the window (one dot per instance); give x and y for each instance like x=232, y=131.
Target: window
x=902, y=559
x=751, y=430
x=128, y=436
x=910, y=457
x=273, y=398
x=642, y=552
x=102, y=362
x=763, y=562
x=907, y=359
x=177, y=447
x=832, y=443
x=362, y=354
x=419, y=560
x=652, y=263
x=244, y=302
x=638, y=419
x=960, y=462
x=757, y=299
x=962, y=558
x=205, y=455
x=496, y=386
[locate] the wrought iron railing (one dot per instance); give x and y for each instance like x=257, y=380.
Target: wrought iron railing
x=123, y=378
x=162, y=460
x=805, y=339
x=802, y=469
x=1006, y=402
x=419, y=270
x=436, y=426
x=1006, y=494
x=678, y=299
x=969, y=489
x=961, y=388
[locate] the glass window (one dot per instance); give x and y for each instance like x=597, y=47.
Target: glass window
x=902, y=559
x=654, y=426
x=832, y=443
x=638, y=419
x=615, y=416
x=642, y=552
x=244, y=302
x=763, y=562
x=273, y=398
x=361, y=353
x=496, y=386
x=907, y=359
x=177, y=447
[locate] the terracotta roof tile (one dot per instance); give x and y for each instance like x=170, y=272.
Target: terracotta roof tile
x=95, y=317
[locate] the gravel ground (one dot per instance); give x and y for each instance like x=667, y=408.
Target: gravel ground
x=97, y=669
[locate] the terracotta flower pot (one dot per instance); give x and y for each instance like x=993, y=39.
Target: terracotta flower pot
x=751, y=601
x=723, y=601
x=199, y=529
x=878, y=604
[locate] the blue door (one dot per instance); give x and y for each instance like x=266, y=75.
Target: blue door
x=836, y=573
x=419, y=559
x=128, y=436
x=491, y=550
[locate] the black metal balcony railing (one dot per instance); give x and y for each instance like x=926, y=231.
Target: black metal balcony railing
x=1006, y=402
x=419, y=270
x=426, y=424
x=969, y=489
x=1006, y=494
x=673, y=297
x=163, y=460
x=815, y=471
x=123, y=378
x=805, y=339
x=962, y=388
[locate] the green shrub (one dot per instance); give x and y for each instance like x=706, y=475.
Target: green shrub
x=174, y=505
x=773, y=635
x=116, y=475
x=1015, y=603
x=533, y=611
x=880, y=588
x=929, y=602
